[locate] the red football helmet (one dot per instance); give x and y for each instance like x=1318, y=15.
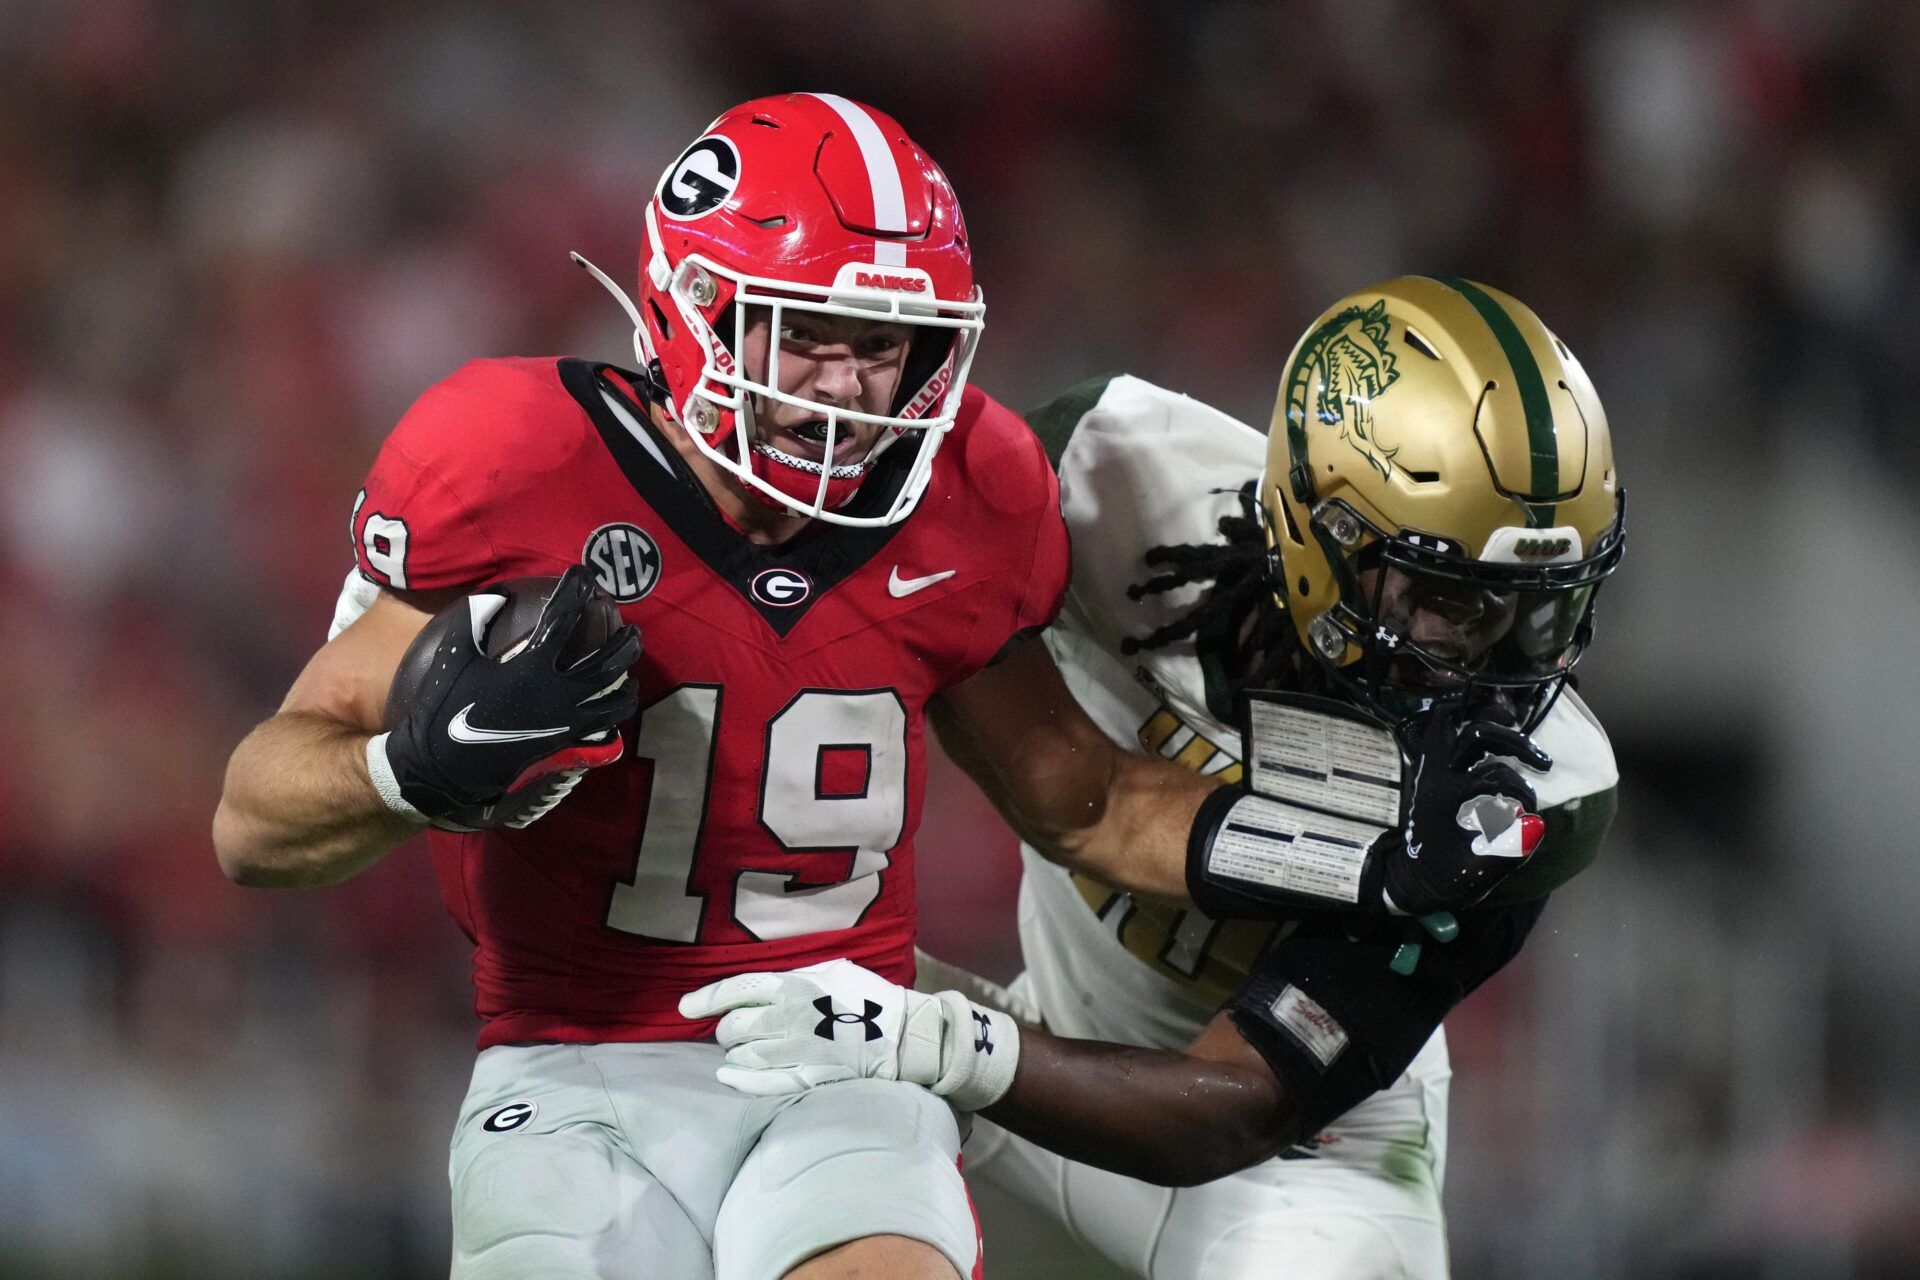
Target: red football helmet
x=805, y=202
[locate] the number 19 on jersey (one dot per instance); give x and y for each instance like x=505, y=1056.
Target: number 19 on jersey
x=678, y=734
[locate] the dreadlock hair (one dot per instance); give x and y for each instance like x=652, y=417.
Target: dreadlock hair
x=1239, y=615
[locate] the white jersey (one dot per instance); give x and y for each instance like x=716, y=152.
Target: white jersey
x=1142, y=467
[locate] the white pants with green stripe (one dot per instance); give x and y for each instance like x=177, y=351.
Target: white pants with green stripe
x=576, y=1162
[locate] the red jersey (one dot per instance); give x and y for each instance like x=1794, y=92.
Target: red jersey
x=764, y=813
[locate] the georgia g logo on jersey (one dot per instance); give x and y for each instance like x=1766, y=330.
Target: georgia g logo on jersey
x=781, y=588
x=701, y=179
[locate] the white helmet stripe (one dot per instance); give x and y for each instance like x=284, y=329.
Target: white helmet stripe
x=889, y=198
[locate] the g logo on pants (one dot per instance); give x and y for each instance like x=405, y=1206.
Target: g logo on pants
x=514, y=1115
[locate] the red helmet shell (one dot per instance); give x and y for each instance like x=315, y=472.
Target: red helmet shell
x=794, y=189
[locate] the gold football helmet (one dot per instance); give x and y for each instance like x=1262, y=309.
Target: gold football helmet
x=1440, y=498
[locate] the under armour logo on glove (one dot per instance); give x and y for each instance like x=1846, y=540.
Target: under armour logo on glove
x=870, y=1019
x=780, y=1034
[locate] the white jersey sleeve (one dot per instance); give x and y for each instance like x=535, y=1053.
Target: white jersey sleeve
x=1142, y=467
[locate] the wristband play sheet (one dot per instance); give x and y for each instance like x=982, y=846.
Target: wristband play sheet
x=1326, y=782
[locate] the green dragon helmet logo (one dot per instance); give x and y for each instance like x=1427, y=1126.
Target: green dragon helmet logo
x=1342, y=368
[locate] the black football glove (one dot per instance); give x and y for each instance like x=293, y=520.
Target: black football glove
x=481, y=738
x=1467, y=820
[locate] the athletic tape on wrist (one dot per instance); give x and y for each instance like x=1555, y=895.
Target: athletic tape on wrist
x=380, y=770
x=981, y=1052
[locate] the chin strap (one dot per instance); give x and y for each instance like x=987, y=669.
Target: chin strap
x=799, y=479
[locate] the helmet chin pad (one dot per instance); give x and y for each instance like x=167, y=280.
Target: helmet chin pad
x=799, y=479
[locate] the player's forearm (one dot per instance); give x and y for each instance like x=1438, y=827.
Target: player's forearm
x=1080, y=798
x=298, y=808
x=1176, y=1119
x=1137, y=838
x=1164, y=1117
x=1085, y=802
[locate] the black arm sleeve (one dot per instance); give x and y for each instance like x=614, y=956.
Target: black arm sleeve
x=1337, y=1024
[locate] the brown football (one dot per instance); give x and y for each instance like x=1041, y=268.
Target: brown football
x=417, y=683
x=526, y=597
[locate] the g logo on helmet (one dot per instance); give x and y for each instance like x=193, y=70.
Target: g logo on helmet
x=701, y=179
x=781, y=588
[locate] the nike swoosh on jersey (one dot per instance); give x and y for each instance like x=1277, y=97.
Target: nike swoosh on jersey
x=898, y=586
x=460, y=731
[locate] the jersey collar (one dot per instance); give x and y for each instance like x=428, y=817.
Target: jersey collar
x=824, y=555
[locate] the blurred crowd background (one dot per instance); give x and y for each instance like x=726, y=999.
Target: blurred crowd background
x=238, y=236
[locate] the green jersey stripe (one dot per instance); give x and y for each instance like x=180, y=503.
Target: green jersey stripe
x=1543, y=444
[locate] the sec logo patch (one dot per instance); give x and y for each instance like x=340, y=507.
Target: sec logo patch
x=515, y=1115
x=781, y=588
x=625, y=561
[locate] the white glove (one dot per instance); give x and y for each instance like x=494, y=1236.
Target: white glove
x=789, y=1032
